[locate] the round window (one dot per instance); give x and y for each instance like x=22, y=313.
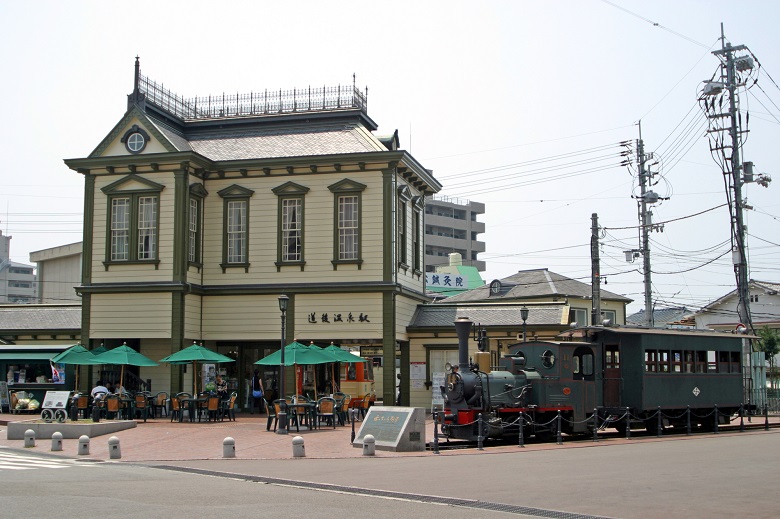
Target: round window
x=548, y=359
x=135, y=142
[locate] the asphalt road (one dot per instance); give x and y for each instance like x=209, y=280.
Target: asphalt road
x=704, y=476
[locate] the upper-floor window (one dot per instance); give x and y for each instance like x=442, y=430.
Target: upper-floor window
x=134, y=237
x=347, y=228
x=290, y=250
x=579, y=316
x=292, y=229
x=347, y=224
x=237, y=231
x=235, y=240
x=134, y=220
x=418, y=205
x=404, y=195
x=193, y=253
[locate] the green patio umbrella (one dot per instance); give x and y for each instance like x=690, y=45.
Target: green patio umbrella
x=194, y=354
x=123, y=356
x=339, y=355
x=296, y=353
x=76, y=355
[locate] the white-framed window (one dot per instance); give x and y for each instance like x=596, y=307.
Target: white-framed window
x=194, y=230
x=120, y=229
x=609, y=314
x=134, y=228
x=147, y=227
x=579, y=316
x=292, y=229
x=348, y=227
x=237, y=231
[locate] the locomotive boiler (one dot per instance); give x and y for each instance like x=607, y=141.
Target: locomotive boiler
x=610, y=371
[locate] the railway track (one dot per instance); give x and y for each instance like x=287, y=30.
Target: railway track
x=758, y=424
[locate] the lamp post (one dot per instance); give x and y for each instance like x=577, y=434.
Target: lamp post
x=524, y=317
x=282, y=429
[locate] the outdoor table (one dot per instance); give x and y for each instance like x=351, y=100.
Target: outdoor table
x=192, y=406
x=308, y=410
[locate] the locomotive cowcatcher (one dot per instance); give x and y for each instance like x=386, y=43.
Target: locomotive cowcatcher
x=607, y=370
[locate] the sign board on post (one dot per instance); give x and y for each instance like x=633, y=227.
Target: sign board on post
x=56, y=399
x=5, y=398
x=438, y=380
x=400, y=429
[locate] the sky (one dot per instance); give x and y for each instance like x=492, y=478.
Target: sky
x=522, y=105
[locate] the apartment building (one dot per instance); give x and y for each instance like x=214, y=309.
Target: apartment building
x=451, y=226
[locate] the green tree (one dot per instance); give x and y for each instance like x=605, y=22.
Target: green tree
x=769, y=343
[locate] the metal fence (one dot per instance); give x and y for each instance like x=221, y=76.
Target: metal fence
x=267, y=102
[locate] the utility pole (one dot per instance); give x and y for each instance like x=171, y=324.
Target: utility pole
x=737, y=225
x=644, y=228
x=595, y=278
x=736, y=69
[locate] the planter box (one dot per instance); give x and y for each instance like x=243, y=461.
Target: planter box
x=69, y=430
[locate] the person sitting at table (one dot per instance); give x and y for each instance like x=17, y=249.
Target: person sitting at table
x=120, y=390
x=99, y=388
x=222, y=388
x=257, y=393
x=110, y=387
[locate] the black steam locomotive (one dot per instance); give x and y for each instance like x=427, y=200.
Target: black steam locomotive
x=607, y=371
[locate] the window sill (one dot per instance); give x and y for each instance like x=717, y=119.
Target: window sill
x=358, y=262
x=226, y=266
x=403, y=266
x=155, y=262
x=280, y=264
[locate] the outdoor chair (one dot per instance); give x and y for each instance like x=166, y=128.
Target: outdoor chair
x=142, y=406
x=272, y=416
x=176, y=408
x=343, y=409
x=212, y=408
x=82, y=405
x=326, y=410
x=364, y=405
x=229, y=407
x=113, y=406
x=160, y=403
x=290, y=417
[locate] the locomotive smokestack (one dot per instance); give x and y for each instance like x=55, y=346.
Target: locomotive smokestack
x=463, y=329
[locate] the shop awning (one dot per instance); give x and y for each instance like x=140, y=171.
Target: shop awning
x=16, y=352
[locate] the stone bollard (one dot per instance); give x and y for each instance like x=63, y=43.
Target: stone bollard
x=83, y=444
x=29, y=438
x=56, y=441
x=369, y=445
x=228, y=448
x=298, y=447
x=114, y=452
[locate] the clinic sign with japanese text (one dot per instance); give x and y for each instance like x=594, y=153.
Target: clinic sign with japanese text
x=445, y=280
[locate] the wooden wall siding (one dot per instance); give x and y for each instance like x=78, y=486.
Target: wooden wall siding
x=192, y=316
x=370, y=304
x=618, y=308
x=118, y=148
x=160, y=375
x=133, y=272
x=318, y=231
x=57, y=277
x=241, y=318
x=407, y=277
x=404, y=310
x=136, y=315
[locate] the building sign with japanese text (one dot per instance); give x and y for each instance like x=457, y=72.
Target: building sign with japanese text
x=444, y=280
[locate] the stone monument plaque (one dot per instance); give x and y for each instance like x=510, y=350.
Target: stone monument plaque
x=400, y=429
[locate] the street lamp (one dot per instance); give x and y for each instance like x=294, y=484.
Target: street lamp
x=282, y=429
x=524, y=317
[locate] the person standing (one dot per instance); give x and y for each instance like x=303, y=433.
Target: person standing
x=257, y=393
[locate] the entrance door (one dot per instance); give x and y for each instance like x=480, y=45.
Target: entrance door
x=613, y=379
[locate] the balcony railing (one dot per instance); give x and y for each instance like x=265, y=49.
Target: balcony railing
x=267, y=102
